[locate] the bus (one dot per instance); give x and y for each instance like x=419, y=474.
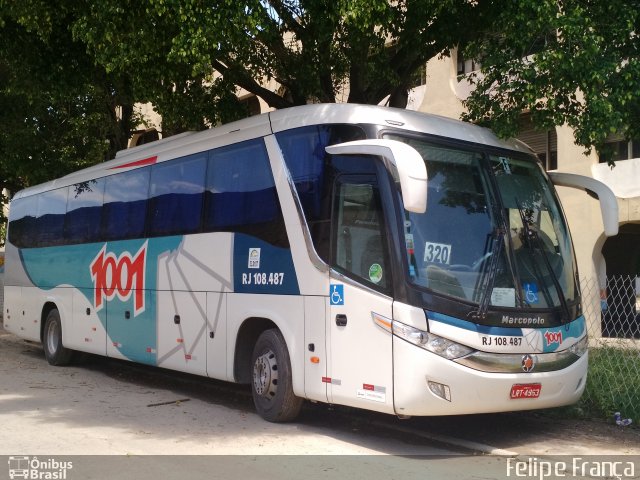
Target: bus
x=355, y=255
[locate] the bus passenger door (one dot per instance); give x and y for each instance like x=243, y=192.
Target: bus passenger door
x=360, y=347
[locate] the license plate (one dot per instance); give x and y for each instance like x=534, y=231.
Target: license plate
x=526, y=390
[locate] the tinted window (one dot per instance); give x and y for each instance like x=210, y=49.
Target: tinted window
x=84, y=212
x=241, y=193
x=176, y=196
x=22, y=212
x=305, y=156
x=125, y=204
x=52, y=207
x=313, y=172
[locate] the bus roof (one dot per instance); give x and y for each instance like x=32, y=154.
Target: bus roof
x=276, y=121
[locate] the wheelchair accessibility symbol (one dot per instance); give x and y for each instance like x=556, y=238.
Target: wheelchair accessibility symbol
x=531, y=292
x=336, y=294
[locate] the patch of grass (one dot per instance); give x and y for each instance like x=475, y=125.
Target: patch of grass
x=613, y=384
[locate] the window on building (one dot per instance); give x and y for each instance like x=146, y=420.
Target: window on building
x=251, y=105
x=140, y=137
x=543, y=142
x=466, y=65
x=618, y=148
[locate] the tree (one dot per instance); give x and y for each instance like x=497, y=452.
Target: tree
x=71, y=71
x=58, y=110
x=288, y=52
x=568, y=62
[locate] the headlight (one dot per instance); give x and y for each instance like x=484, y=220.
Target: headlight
x=581, y=347
x=430, y=342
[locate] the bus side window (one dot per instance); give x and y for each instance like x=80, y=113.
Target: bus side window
x=358, y=241
x=22, y=227
x=125, y=204
x=84, y=212
x=52, y=207
x=312, y=172
x=176, y=196
x=241, y=194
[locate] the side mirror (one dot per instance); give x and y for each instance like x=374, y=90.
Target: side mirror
x=608, y=201
x=409, y=163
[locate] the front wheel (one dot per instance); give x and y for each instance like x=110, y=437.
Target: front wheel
x=272, y=385
x=54, y=351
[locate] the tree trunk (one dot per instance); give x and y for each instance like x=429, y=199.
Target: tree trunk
x=399, y=97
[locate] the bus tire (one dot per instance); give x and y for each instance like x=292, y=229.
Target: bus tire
x=54, y=351
x=272, y=384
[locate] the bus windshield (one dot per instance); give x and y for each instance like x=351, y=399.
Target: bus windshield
x=493, y=232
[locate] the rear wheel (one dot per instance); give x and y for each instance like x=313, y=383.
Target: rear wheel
x=272, y=385
x=54, y=351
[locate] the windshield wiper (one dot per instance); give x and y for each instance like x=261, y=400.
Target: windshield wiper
x=535, y=243
x=490, y=273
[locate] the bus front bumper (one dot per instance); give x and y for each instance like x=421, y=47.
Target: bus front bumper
x=426, y=384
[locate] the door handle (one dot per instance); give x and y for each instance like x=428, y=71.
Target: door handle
x=341, y=320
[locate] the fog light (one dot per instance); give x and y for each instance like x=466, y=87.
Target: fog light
x=440, y=390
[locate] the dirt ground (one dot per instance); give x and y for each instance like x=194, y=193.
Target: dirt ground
x=102, y=406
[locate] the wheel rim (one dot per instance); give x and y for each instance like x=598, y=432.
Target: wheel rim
x=265, y=375
x=53, y=337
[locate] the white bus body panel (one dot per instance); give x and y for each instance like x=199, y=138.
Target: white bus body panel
x=315, y=324
x=86, y=332
x=473, y=391
x=12, y=309
x=313, y=280
x=182, y=331
x=186, y=314
x=217, y=346
x=360, y=353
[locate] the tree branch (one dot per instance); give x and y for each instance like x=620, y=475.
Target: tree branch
x=288, y=18
x=243, y=79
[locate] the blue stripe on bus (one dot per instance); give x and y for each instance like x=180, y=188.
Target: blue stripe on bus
x=259, y=267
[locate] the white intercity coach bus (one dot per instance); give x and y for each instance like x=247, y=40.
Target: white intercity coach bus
x=355, y=255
